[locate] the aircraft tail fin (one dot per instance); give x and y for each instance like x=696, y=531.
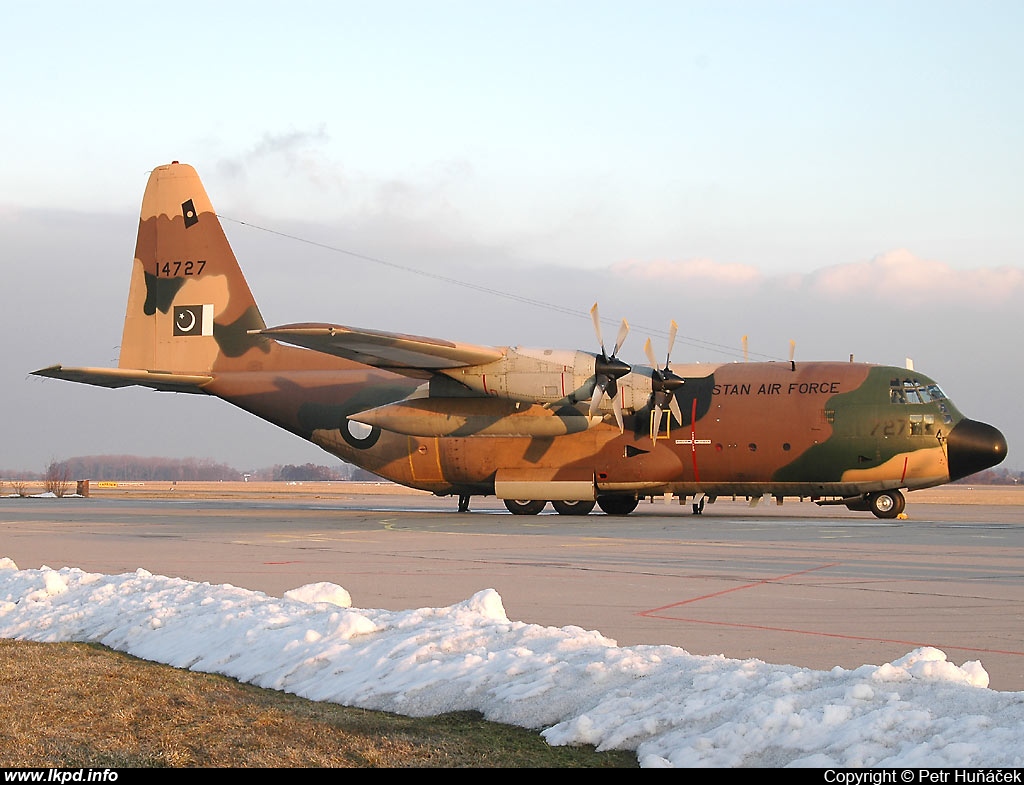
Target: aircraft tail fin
x=189, y=306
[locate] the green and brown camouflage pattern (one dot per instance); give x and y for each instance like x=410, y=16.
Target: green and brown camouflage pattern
x=466, y=420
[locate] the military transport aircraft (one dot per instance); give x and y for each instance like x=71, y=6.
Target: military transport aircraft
x=531, y=426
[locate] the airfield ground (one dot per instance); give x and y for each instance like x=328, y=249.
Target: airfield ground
x=946, y=494
x=949, y=576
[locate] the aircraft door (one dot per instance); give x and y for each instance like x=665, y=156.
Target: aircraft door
x=465, y=463
x=425, y=460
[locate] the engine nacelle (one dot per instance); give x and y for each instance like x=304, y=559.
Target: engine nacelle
x=635, y=389
x=543, y=376
x=550, y=376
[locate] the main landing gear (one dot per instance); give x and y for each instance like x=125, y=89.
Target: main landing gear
x=525, y=506
x=573, y=508
x=617, y=505
x=610, y=505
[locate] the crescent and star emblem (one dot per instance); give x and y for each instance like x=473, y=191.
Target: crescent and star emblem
x=186, y=320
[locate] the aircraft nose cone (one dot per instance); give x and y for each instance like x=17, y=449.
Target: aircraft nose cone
x=973, y=446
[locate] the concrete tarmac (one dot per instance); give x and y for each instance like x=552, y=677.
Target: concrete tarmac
x=793, y=584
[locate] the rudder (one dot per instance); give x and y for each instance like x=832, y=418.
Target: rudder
x=189, y=306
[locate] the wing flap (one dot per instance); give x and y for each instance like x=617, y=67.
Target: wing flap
x=128, y=377
x=392, y=351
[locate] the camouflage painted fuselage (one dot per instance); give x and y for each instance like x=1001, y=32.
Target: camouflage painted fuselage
x=466, y=420
x=813, y=430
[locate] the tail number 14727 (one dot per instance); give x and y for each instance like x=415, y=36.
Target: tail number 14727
x=179, y=268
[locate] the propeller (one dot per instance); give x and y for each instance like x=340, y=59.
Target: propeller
x=608, y=369
x=664, y=383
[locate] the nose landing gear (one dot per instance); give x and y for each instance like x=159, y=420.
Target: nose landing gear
x=886, y=504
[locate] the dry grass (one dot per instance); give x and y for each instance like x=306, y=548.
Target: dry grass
x=78, y=705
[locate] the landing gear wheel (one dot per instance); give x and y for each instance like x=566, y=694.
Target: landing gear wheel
x=524, y=506
x=617, y=505
x=581, y=507
x=886, y=504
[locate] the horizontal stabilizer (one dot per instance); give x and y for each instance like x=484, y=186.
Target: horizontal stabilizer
x=128, y=377
x=392, y=351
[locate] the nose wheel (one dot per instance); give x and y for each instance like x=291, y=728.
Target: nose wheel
x=886, y=504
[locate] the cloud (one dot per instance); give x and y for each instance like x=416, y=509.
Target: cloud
x=897, y=277
x=294, y=177
x=698, y=271
x=901, y=278
x=290, y=174
x=295, y=148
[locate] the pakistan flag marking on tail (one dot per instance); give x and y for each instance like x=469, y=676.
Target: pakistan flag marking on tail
x=193, y=320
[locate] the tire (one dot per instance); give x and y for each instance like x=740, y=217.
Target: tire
x=886, y=504
x=901, y=502
x=524, y=506
x=582, y=507
x=617, y=505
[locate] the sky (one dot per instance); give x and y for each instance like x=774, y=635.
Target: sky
x=844, y=175
x=575, y=686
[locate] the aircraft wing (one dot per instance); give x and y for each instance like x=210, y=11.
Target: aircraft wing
x=127, y=377
x=411, y=355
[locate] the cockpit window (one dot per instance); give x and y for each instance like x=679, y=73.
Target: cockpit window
x=909, y=390
x=914, y=391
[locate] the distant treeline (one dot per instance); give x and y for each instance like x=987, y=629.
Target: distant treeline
x=993, y=477
x=134, y=468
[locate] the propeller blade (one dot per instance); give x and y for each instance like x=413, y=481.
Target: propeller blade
x=664, y=383
x=621, y=337
x=599, y=388
x=612, y=388
x=673, y=328
x=608, y=369
x=673, y=405
x=597, y=326
x=656, y=425
x=606, y=385
x=649, y=351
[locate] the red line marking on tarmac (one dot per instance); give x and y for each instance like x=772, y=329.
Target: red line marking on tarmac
x=282, y=562
x=656, y=613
